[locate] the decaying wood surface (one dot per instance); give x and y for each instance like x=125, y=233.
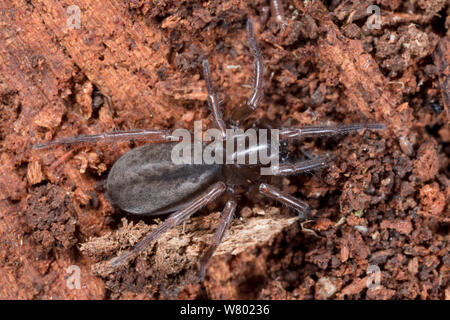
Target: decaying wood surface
x=137, y=64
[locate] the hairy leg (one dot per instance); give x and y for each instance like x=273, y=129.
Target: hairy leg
x=272, y=192
x=153, y=136
x=227, y=217
x=174, y=220
x=311, y=131
x=258, y=85
x=278, y=13
x=213, y=102
x=264, y=15
x=287, y=169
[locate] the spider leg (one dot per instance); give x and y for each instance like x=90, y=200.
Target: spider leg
x=301, y=207
x=154, y=136
x=265, y=15
x=311, y=131
x=287, y=169
x=243, y=112
x=227, y=217
x=278, y=13
x=213, y=102
x=174, y=220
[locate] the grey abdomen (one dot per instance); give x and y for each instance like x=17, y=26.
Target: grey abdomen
x=146, y=181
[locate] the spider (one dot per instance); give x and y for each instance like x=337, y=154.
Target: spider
x=145, y=180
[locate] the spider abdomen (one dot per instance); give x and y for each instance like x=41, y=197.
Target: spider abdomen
x=146, y=181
